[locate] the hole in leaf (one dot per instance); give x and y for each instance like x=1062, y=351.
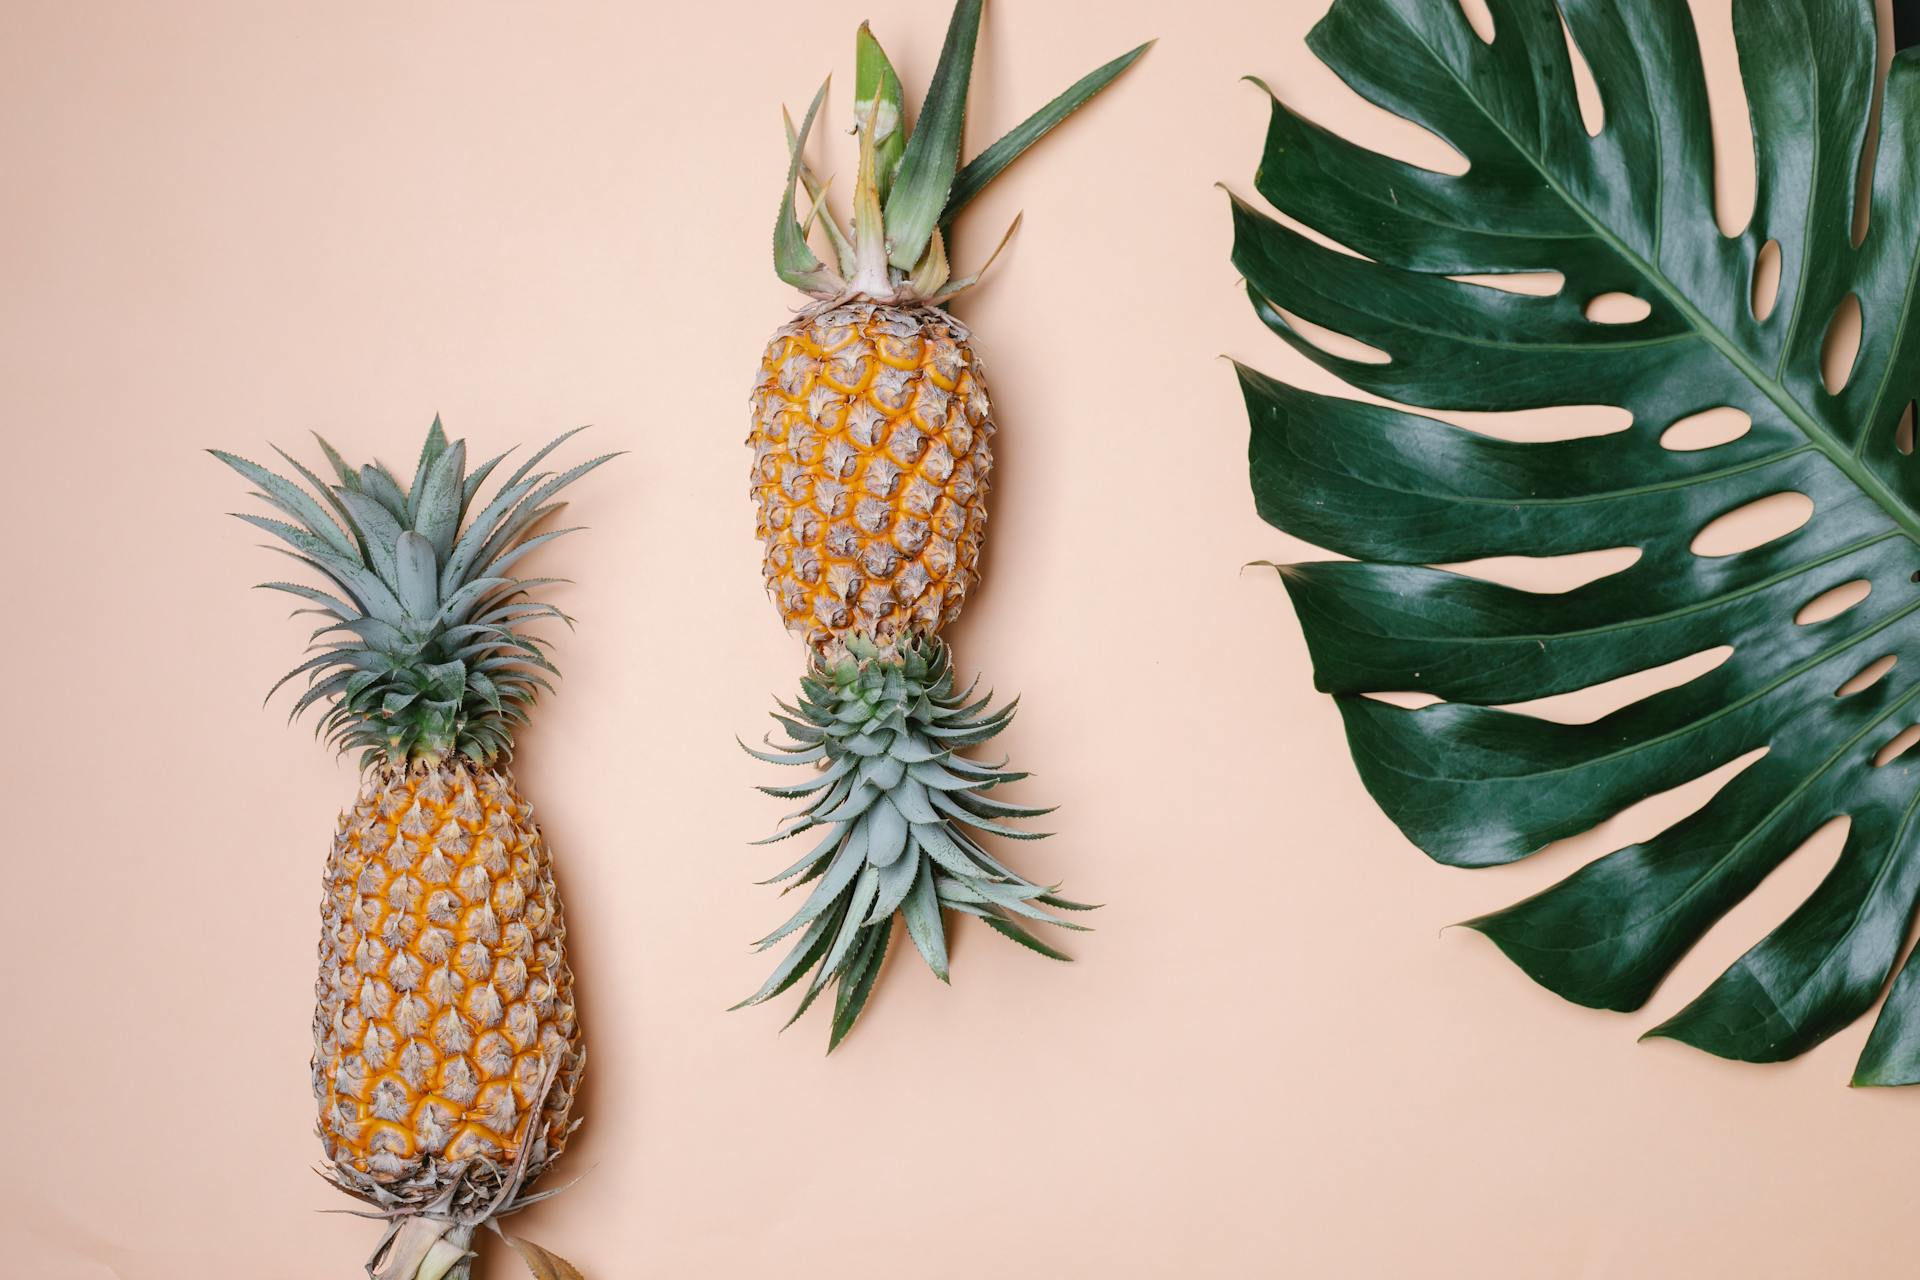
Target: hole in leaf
x=1707, y=429
x=1541, y=426
x=1870, y=144
x=1753, y=525
x=1618, y=308
x=1548, y=575
x=1479, y=18
x=1897, y=746
x=1866, y=677
x=1584, y=706
x=1831, y=604
x=1841, y=345
x=1407, y=699
x=1642, y=821
x=1333, y=342
x=1592, y=113
x=1729, y=119
x=1903, y=434
x=1766, y=279
x=1538, y=284
x=1782, y=890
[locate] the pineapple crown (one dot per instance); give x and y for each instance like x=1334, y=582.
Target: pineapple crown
x=910, y=185
x=423, y=653
x=901, y=811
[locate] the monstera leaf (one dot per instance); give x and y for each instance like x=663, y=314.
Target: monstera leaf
x=1629, y=210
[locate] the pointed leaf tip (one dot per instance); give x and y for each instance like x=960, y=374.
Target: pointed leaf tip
x=932, y=156
x=989, y=164
x=793, y=261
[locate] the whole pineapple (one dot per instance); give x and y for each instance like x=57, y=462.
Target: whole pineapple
x=446, y=1051
x=871, y=438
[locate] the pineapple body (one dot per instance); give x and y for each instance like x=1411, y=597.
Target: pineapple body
x=871, y=449
x=446, y=1050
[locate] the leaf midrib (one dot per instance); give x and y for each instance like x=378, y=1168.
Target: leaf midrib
x=1840, y=456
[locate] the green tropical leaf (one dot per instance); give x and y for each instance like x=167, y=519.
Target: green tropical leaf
x=1629, y=210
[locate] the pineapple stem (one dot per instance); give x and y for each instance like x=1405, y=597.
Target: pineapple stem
x=424, y=1247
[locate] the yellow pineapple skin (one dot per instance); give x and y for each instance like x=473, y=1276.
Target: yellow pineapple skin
x=871, y=450
x=443, y=1001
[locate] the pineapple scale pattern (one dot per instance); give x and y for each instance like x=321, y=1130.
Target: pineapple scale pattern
x=870, y=439
x=443, y=993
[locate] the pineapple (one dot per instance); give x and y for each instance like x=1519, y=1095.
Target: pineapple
x=871, y=435
x=871, y=453
x=446, y=1051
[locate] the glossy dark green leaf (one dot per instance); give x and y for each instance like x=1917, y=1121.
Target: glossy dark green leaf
x=1631, y=211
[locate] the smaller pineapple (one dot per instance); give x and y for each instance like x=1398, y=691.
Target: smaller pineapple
x=871, y=437
x=446, y=1053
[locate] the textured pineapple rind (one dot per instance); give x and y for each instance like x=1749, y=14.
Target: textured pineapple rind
x=902, y=811
x=447, y=1053
x=871, y=451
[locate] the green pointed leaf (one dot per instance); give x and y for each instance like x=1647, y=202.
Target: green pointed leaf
x=361, y=583
x=851, y=999
x=416, y=576
x=470, y=486
x=437, y=514
x=933, y=150
x=295, y=501
x=817, y=199
x=332, y=604
x=896, y=879
x=793, y=261
x=526, y=468
x=987, y=166
x=430, y=454
x=377, y=483
x=320, y=487
x=378, y=529
x=1630, y=211
x=839, y=875
x=858, y=901
x=348, y=476
x=877, y=94
x=1008, y=929
x=921, y=911
x=463, y=559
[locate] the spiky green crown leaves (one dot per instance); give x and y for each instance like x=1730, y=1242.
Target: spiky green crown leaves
x=902, y=812
x=424, y=651
x=910, y=183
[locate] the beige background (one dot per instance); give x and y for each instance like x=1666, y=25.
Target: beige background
x=228, y=223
